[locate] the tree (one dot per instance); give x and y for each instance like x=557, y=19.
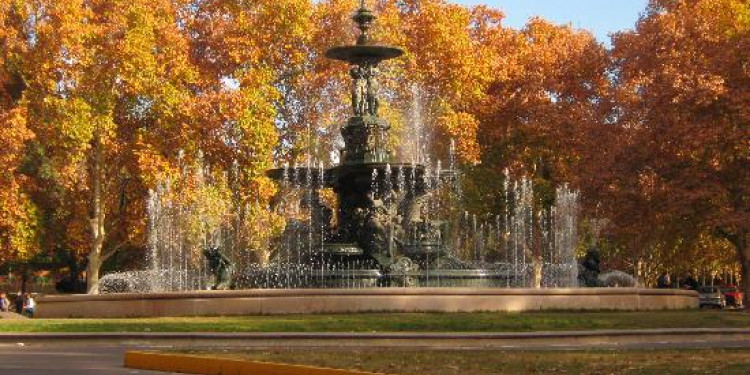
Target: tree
x=93, y=70
x=19, y=219
x=247, y=56
x=448, y=60
x=684, y=84
x=116, y=91
x=19, y=216
x=544, y=113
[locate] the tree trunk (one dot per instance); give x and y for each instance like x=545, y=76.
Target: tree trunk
x=92, y=273
x=744, y=252
x=96, y=221
x=95, y=259
x=24, y=281
x=739, y=241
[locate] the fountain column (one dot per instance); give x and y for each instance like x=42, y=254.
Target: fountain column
x=364, y=219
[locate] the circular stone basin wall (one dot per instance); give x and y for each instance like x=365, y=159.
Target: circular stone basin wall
x=306, y=301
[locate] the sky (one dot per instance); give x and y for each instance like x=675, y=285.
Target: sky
x=599, y=16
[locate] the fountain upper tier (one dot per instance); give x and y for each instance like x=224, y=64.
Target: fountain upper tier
x=362, y=54
x=379, y=199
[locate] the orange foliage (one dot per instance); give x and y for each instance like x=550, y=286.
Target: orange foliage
x=18, y=217
x=100, y=98
x=681, y=164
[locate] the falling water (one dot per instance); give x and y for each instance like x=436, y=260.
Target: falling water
x=417, y=137
x=524, y=246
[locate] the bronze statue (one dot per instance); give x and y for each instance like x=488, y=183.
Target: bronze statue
x=372, y=90
x=359, y=90
x=221, y=267
x=589, y=269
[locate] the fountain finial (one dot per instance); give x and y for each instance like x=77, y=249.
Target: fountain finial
x=364, y=18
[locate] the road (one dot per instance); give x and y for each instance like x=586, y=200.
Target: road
x=73, y=358
x=104, y=355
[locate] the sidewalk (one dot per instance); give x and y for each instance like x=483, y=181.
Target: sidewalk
x=11, y=316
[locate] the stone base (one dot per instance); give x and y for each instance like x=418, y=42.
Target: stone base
x=308, y=301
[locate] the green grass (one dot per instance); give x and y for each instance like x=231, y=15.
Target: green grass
x=396, y=322
x=485, y=362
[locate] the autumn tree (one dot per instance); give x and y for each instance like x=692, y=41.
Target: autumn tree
x=543, y=113
x=19, y=219
x=684, y=92
x=115, y=91
x=248, y=57
x=93, y=70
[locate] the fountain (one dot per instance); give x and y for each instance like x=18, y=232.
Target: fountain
x=394, y=238
x=389, y=230
x=382, y=237
x=396, y=222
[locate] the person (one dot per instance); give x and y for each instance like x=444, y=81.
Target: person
x=689, y=282
x=663, y=281
x=29, y=305
x=4, y=302
x=19, y=303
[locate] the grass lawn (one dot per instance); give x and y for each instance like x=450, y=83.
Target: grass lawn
x=396, y=322
x=480, y=362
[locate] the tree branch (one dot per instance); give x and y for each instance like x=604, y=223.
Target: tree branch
x=112, y=252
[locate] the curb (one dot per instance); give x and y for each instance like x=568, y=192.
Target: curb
x=190, y=364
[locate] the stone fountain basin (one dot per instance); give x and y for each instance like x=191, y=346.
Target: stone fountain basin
x=308, y=301
x=341, y=249
x=313, y=277
x=356, y=173
x=422, y=250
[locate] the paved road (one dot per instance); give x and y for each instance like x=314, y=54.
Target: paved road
x=104, y=356
x=73, y=358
